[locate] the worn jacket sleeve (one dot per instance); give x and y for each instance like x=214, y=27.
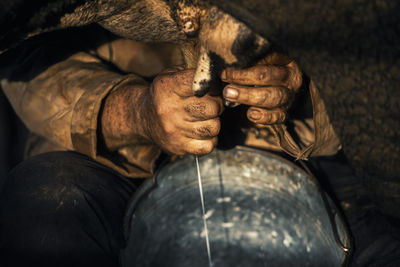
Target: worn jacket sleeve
x=58, y=89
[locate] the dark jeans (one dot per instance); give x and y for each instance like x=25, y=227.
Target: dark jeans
x=62, y=209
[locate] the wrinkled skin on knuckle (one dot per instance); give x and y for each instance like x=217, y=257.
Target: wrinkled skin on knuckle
x=196, y=109
x=267, y=117
x=281, y=116
x=295, y=76
x=279, y=96
x=202, y=131
x=272, y=73
x=209, y=108
x=210, y=130
x=273, y=117
x=260, y=98
x=262, y=74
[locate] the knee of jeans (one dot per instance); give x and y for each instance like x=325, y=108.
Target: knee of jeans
x=47, y=215
x=46, y=178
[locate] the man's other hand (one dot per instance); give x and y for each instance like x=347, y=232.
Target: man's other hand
x=268, y=88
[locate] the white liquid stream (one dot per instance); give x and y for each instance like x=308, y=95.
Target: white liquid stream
x=204, y=212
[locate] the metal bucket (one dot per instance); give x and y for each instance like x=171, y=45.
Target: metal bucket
x=262, y=210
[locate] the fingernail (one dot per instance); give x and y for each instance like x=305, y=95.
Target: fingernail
x=255, y=115
x=223, y=75
x=231, y=93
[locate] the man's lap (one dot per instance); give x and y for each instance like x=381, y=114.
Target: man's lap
x=62, y=209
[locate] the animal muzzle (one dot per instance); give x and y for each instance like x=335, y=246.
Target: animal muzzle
x=225, y=42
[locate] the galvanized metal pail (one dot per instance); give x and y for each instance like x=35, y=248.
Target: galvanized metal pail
x=262, y=210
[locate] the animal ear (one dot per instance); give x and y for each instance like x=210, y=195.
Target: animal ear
x=225, y=41
x=188, y=17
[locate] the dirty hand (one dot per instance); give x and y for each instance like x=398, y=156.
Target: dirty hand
x=166, y=114
x=268, y=88
x=182, y=122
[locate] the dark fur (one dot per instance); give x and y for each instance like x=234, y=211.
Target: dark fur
x=20, y=18
x=246, y=50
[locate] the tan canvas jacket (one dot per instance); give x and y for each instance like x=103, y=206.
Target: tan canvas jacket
x=57, y=84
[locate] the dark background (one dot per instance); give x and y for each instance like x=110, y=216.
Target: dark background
x=13, y=135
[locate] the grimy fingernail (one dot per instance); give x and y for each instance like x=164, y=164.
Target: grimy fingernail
x=255, y=115
x=231, y=93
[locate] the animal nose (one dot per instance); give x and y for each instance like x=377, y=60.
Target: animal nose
x=225, y=42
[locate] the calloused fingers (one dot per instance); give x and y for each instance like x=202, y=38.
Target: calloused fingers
x=265, y=116
x=201, y=130
x=265, y=97
x=289, y=75
x=205, y=108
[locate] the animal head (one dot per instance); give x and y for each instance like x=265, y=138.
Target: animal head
x=224, y=42
x=220, y=40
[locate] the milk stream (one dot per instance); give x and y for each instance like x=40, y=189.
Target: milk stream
x=204, y=212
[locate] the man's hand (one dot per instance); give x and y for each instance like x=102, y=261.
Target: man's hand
x=184, y=123
x=268, y=88
x=166, y=114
